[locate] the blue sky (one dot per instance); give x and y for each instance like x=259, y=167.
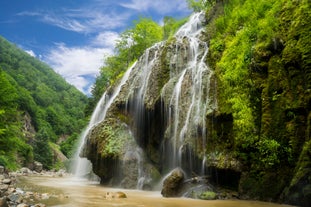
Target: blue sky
x=74, y=36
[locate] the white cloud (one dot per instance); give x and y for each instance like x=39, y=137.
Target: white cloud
x=31, y=53
x=84, y=20
x=77, y=64
x=106, y=39
x=161, y=6
x=64, y=22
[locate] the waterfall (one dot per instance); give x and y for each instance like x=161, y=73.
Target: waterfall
x=186, y=115
x=82, y=166
x=163, y=106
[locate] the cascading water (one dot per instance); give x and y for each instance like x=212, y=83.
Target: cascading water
x=161, y=112
x=186, y=115
x=82, y=166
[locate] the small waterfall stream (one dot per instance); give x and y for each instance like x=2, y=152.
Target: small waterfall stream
x=82, y=166
x=187, y=115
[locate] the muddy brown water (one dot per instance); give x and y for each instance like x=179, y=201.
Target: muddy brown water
x=68, y=192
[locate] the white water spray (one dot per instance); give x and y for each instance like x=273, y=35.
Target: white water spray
x=185, y=125
x=82, y=166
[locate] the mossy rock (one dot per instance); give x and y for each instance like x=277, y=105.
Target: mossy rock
x=208, y=195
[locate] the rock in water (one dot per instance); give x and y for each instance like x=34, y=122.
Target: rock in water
x=173, y=183
x=120, y=195
x=38, y=166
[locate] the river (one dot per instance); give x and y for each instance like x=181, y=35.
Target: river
x=73, y=193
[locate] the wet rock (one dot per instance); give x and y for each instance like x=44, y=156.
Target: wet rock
x=120, y=195
x=110, y=195
x=37, y=166
x=25, y=171
x=173, y=183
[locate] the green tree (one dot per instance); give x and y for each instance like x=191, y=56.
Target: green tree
x=42, y=150
x=145, y=33
x=199, y=5
x=131, y=45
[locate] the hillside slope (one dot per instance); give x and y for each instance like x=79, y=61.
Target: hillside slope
x=37, y=106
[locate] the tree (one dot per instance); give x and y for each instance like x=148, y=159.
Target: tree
x=42, y=150
x=131, y=45
x=199, y=5
x=145, y=33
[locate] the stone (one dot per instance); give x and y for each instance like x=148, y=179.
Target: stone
x=15, y=198
x=39, y=205
x=173, y=183
x=3, y=202
x=110, y=195
x=25, y=170
x=22, y=205
x=37, y=166
x=1, y=169
x=7, y=181
x=120, y=195
x=4, y=187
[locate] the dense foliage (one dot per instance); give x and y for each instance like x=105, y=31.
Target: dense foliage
x=260, y=51
x=33, y=98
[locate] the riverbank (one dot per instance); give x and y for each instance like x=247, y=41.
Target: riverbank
x=16, y=191
x=59, y=189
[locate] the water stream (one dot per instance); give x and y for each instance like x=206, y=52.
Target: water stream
x=77, y=194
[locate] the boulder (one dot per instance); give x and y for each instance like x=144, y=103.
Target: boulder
x=7, y=181
x=4, y=187
x=173, y=183
x=37, y=166
x=120, y=195
x=25, y=170
x=1, y=169
x=3, y=202
x=110, y=195
x=15, y=198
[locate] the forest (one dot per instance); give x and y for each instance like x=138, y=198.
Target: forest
x=38, y=110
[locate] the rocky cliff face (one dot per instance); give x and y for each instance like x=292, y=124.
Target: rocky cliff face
x=158, y=120
x=172, y=112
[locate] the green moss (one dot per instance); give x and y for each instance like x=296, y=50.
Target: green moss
x=113, y=142
x=208, y=195
x=260, y=51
